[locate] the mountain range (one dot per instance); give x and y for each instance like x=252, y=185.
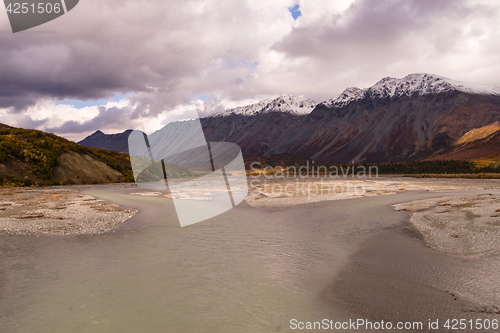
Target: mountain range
x=417, y=117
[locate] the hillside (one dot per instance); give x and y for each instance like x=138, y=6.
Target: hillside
x=33, y=157
x=478, y=133
x=485, y=150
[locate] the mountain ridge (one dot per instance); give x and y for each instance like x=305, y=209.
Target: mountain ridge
x=294, y=105
x=394, y=120
x=416, y=83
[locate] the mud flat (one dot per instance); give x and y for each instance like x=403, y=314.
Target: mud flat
x=395, y=278
x=462, y=225
x=57, y=210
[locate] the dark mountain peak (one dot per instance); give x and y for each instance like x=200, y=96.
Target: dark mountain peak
x=117, y=142
x=97, y=133
x=394, y=120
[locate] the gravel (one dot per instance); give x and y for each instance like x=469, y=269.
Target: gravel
x=48, y=211
x=462, y=225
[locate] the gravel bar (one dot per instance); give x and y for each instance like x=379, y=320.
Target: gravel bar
x=57, y=211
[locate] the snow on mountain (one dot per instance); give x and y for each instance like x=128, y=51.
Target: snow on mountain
x=411, y=84
x=285, y=103
x=349, y=95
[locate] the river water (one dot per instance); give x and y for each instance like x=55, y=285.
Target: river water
x=247, y=270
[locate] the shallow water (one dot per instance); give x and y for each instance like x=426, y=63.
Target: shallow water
x=247, y=270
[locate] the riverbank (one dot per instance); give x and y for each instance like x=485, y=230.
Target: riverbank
x=461, y=225
x=65, y=210
x=57, y=210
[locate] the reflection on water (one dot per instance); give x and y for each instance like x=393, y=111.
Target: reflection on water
x=247, y=270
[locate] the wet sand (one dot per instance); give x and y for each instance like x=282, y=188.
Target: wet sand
x=394, y=277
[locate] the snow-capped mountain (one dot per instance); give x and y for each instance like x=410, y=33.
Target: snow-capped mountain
x=285, y=103
x=394, y=120
x=420, y=84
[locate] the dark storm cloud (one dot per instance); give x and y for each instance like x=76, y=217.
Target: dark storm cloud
x=166, y=53
x=158, y=49
x=28, y=122
x=113, y=115
x=370, y=28
x=374, y=39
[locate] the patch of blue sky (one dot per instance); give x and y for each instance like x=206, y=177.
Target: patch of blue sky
x=96, y=102
x=118, y=97
x=203, y=97
x=295, y=11
x=245, y=64
x=251, y=65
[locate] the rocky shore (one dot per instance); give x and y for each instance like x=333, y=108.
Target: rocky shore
x=464, y=225
x=57, y=210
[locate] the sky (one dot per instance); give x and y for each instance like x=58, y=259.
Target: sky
x=112, y=65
